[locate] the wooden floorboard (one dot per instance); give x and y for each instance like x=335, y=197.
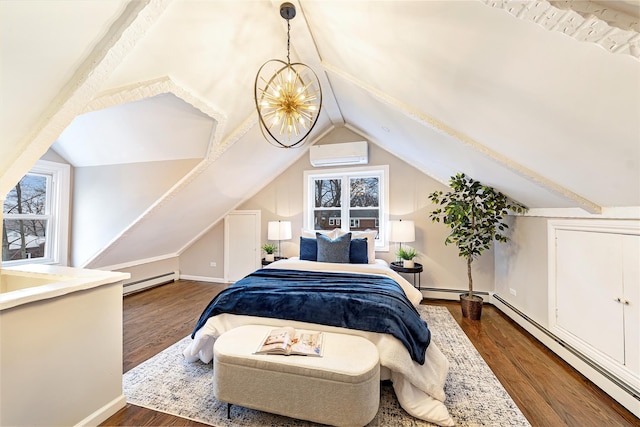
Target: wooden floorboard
x=157, y=318
x=547, y=390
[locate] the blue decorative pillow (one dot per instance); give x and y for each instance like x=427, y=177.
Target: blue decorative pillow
x=308, y=249
x=358, y=253
x=333, y=250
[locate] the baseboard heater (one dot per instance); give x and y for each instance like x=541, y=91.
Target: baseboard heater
x=140, y=285
x=586, y=360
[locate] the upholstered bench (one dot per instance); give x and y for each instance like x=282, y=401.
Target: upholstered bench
x=341, y=388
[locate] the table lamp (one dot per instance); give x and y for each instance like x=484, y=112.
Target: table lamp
x=402, y=231
x=279, y=230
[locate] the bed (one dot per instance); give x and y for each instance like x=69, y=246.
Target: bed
x=419, y=384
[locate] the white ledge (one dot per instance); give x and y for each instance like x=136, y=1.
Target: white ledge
x=29, y=283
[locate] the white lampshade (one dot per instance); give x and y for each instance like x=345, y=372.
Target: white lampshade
x=402, y=231
x=279, y=230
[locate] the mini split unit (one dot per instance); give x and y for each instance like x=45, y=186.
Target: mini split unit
x=349, y=153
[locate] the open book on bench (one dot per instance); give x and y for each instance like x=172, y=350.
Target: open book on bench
x=288, y=341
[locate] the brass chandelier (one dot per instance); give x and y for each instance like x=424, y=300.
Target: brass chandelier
x=288, y=96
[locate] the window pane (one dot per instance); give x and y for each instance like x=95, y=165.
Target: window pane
x=23, y=239
x=29, y=196
x=326, y=219
x=364, y=219
x=364, y=192
x=327, y=193
x=347, y=199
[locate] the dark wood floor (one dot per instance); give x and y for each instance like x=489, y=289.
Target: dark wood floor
x=547, y=390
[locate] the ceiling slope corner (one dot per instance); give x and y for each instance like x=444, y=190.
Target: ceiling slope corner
x=83, y=85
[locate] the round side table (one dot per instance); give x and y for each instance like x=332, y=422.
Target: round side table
x=415, y=270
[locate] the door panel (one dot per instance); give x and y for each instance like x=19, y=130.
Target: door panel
x=242, y=244
x=589, y=281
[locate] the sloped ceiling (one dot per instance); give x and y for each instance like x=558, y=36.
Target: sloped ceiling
x=540, y=99
x=170, y=128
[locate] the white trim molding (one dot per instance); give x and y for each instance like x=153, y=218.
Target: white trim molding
x=586, y=21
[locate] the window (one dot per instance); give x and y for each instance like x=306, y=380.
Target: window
x=35, y=216
x=356, y=198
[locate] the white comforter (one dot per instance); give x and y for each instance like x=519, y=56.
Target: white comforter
x=419, y=388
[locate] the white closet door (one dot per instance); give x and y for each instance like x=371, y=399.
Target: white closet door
x=588, y=283
x=241, y=244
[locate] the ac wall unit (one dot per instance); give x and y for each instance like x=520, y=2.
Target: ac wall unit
x=349, y=153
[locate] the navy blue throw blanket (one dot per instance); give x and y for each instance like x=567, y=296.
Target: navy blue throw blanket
x=354, y=301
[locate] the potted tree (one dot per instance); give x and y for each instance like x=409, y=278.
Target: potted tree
x=407, y=254
x=269, y=250
x=475, y=214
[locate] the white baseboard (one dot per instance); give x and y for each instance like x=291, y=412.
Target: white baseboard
x=160, y=279
x=102, y=414
x=203, y=278
x=614, y=387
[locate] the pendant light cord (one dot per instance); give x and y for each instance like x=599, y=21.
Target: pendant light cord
x=288, y=41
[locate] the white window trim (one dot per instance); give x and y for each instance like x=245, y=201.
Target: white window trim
x=58, y=230
x=382, y=245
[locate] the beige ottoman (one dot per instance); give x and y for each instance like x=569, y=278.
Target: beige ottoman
x=341, y=388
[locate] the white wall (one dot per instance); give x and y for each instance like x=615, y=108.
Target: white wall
x=196, y=260
x=61, y=358
x=108, y=199
x=522, y=265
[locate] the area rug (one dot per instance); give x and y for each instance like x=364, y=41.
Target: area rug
x=475, y=397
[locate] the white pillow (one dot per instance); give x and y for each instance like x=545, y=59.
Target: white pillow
x=370, y=235
x=332, y=234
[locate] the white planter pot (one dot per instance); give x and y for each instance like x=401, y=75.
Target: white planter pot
x=269, y=257
x=408, y=263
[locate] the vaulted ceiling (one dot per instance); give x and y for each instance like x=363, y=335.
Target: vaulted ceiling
x=538, y=98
